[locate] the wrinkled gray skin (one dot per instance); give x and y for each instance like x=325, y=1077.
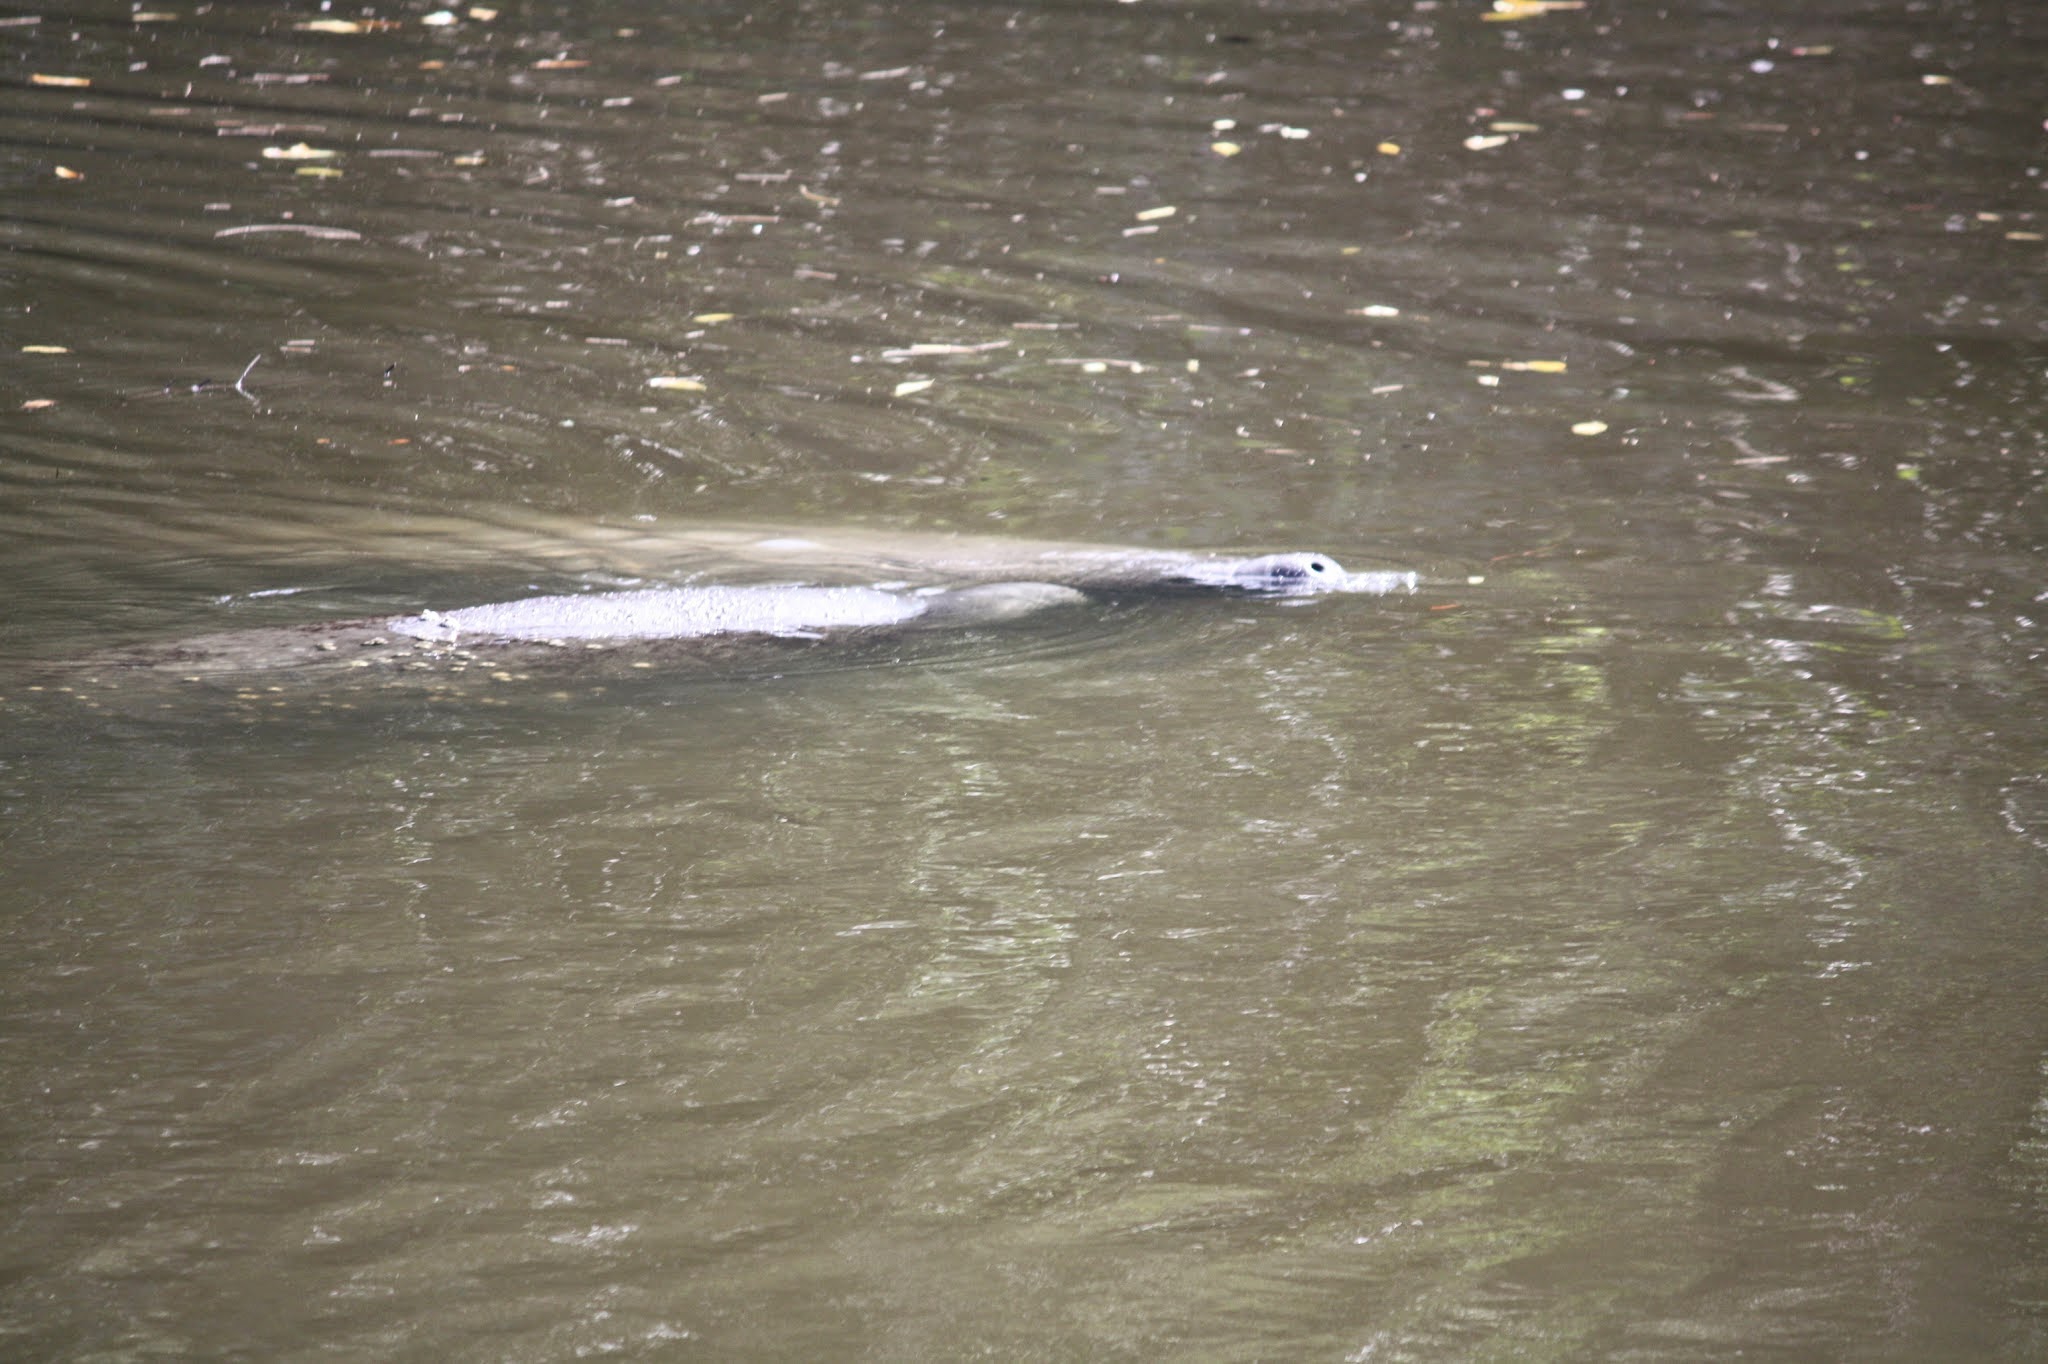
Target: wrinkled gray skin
x=970, y=582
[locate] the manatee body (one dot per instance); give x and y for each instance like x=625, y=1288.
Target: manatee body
x=955, y=582
x=693, y=612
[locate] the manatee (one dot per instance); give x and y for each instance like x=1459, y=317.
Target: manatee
x=932, y=583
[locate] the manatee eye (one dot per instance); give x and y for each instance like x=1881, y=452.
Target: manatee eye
x=1318, y=566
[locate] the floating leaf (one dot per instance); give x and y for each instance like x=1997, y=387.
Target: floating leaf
x=345, y=25
x=1588, y=428
x=1155, y=214
x=1506, y=11
x=1225, y=148
x=708, y=318
x=317, y=230
x=38, y=404
x=321, y=172
x=560, y=64
x=1480, y=142
x=1535, y=366
x=298, y=151
x=1388, y=149
x=70, y=82
x=676, y=382
x=911, y=352
x=46, y=350
x=1375, y=310
x=66, y=173
x=909, y=386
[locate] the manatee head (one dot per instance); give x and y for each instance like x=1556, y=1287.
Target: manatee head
x=1297, y=572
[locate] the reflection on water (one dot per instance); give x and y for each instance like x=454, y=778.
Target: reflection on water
x=1626, y=946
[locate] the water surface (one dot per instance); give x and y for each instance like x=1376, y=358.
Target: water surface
x=1627, y=946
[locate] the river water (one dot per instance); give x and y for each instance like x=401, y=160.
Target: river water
x=1627, y=946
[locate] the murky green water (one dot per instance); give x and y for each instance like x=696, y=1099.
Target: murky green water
x=1629, y=946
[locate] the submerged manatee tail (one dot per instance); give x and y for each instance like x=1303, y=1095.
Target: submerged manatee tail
x=992, y=602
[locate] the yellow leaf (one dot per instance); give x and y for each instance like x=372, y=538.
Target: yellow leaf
x=1588, y=428
x=1225, y=148
x=298, y=151
x=72, y=82
x=1155, y=214
x=46, y=350
x=909, y=386
x=676, y=382
x=1535, y=366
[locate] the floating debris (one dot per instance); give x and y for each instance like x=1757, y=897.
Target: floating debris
x=315, y=230
x=346, y=26
x=909, y=386
x=1588, y=428
x=1507, y=11
x=923, y=348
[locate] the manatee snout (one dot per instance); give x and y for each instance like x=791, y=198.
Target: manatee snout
x=1292, y=572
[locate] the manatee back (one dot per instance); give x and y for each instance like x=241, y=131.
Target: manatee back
x=669, y=613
